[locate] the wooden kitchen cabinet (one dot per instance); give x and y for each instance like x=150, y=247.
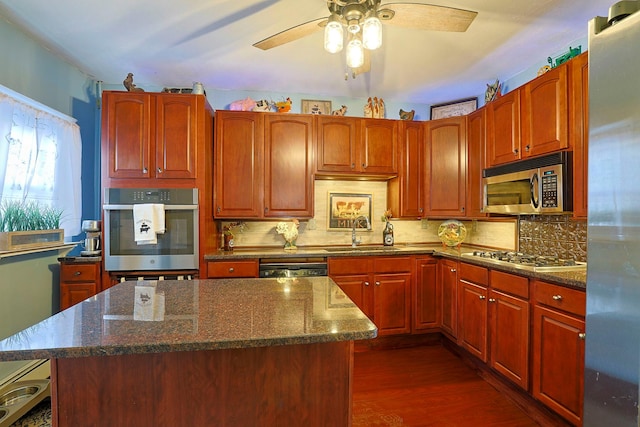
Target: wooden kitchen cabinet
x=579, y=130
x=232, y=269
x=544, y=114
x=445, y=166
x=348, y=146
x=426, y=295
x=473, y=312
x=263, y=165
x=405, y=193
x=78, y=281
x=380, y=286
x=151, y=135
x=503, y=129
x=448, y=282
x=558, y=349
x=509, y=326
x=476, y=145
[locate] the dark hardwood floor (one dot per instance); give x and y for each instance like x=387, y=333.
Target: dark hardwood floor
x=427, y=386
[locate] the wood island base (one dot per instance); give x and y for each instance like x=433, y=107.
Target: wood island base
x=306, y=384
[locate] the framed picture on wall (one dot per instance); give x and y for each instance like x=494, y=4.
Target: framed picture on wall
x=312, y=106
x=344, y=207
x=460, y=107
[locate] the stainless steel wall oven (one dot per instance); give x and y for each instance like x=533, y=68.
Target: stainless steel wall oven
x=176, y=248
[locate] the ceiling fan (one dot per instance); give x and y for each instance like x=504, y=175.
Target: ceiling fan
x=362, y=20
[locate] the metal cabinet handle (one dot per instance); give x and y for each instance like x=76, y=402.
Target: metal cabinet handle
x=582, y=336
x=557, y=297
x=492, y=300
x=231, y=269
x=453, y=270
x=353, y=165
x=482, y=297
x=377, y=283
x=527, y=148
x=145, y=170
x=366, y=283
x=159, y=170
x=218, y=209
x=77, y=273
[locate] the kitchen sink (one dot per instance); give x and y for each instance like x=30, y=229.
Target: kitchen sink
x=362, y=249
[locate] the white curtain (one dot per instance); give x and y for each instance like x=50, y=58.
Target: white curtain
x=40, y=158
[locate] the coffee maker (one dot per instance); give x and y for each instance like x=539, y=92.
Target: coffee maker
x=91, y=243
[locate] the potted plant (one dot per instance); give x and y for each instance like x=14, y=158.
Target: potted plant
x=28, y=225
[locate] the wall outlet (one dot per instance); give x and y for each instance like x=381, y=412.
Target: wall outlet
x=311, y=224
x=424, y=224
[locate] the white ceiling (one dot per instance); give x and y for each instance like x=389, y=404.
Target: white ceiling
x=172, y=43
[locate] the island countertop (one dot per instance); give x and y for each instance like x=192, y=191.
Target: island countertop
x=191, y=315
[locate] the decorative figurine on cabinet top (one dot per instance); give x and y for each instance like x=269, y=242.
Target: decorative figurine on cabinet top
x=128, y=83
x=407, y=115
x=341, y=112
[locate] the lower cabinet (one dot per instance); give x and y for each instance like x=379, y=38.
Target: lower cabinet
x=426, y=295
x=558, y=349
x=448, y=284
x=380, y=286
x=78, y=281
x=232, y=269
x=473, y=312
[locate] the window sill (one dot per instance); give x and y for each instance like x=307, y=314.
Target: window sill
x=7, y=254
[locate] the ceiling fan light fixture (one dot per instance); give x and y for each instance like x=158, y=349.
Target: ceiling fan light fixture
x=333, y=35
x=372, y=33
x=353, y=26
x=355, y=53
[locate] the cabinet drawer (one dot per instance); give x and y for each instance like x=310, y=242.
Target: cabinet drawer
x=79, y=272
x=510, y=283
x=571, y=300
x=391, y=264
x=221, y=269
x=348, y=265
x=474, y=274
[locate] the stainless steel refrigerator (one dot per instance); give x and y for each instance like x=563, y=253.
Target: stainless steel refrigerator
x=612, y=352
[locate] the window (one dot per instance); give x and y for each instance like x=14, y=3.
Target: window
x=40, y=158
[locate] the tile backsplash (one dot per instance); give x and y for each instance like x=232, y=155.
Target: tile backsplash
x=558, y=235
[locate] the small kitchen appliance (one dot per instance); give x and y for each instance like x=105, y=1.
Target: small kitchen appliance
x=91, y=242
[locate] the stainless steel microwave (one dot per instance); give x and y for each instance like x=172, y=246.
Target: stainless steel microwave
x=541, y=185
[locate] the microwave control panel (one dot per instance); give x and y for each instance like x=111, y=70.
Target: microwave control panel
x=550, y=188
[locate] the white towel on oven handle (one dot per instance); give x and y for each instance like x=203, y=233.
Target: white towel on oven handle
x=148, y=222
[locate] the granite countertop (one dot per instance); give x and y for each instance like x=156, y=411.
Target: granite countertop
x=192, y=315
x=574, y=278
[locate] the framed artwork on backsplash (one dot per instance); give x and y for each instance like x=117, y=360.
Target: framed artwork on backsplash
x=344, y=207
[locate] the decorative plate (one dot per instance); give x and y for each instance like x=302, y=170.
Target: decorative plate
x=452, y=232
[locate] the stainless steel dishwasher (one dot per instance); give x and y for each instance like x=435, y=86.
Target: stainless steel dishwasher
x=293, y=267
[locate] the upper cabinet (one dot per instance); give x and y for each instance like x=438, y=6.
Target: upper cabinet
x=349, y=146
x=579, y=130
x=150, y=136
x=405, y=193
x=264, y=165
x=544, y=113
x=503, y=129
x=446, y=167
x=476, y=139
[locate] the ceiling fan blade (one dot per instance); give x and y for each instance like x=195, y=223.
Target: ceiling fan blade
x=291, y=34
x=429, y=17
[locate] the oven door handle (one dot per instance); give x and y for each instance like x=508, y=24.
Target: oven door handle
x=166, y=207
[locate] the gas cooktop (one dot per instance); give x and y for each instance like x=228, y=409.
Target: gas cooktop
x=528, y=261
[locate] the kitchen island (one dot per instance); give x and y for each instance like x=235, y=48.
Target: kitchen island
x=232, y=352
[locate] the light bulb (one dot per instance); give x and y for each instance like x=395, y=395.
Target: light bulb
x=372, y=33
x=355, y=53
x=333, y=36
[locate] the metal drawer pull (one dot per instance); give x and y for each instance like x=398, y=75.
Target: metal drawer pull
x=366, y=283
x=377, y=283
x=77, y=273
x=482, y=297
x=492, y=300
x=231, y=269
x=453, y=270
x=582, y=336
x=557, y=297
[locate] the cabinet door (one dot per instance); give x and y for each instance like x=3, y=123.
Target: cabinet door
x=405, y=193
x=127, y=133
x=558, y=362
x=426, y=295
x=472, y=332
x=509, y=337
x=378, y=146
x=288, y=182
x=448, y=282
x=176, y=136
x=392, y=299
x=544, y=113
x=336, y=145
x=476, y=137
x=357, y=287
x=73, y=293
x=239, y=151
x=579, y=130
x=503, y=125
x=446, y=164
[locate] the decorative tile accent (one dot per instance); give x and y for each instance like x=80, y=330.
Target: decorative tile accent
x=558, y=235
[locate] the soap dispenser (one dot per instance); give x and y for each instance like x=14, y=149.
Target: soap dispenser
x=387, y=234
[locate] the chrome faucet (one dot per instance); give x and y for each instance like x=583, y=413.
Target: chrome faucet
x=354, y=222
